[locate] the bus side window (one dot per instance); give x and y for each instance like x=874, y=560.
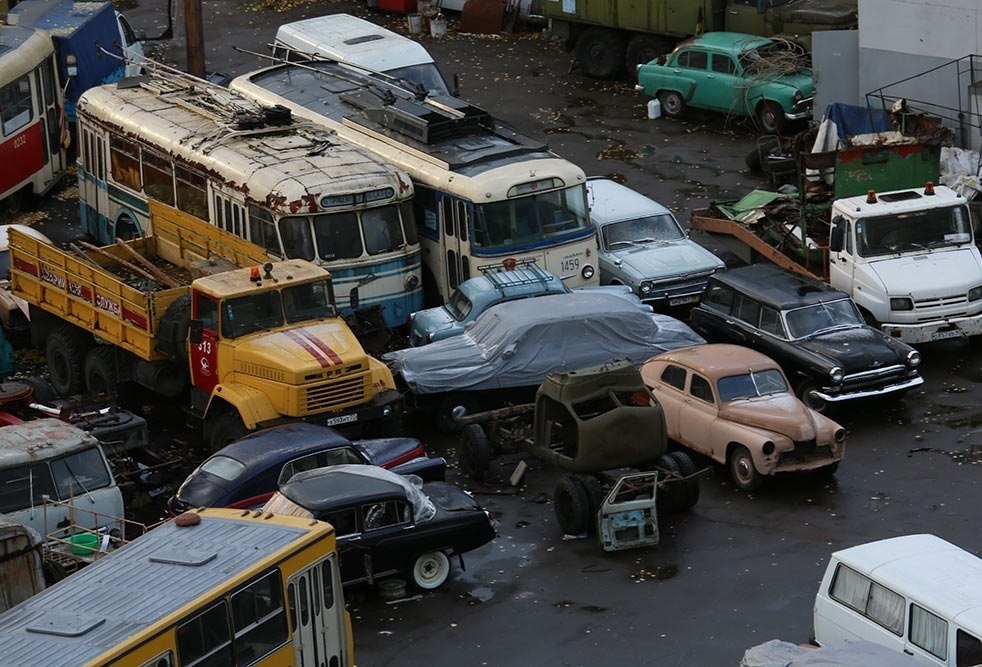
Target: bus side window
x=124, y=159
x=262, y=232
x=424, y=205
x=165, y=659
x=205, y=641
x=192, y=194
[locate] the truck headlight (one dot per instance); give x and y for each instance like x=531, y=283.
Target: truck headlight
x=587, y=272
x=901, y=303
x=913, y=358
x=646, y=287
x=975, y=293
x=836, y=375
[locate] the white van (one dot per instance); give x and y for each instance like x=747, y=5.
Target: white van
x=51, y=459
x=349, y=39
x=916, y=594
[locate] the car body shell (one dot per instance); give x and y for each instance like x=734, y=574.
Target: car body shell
x=802, y=438
x=667, y=272
x=246, y=473
x=750, y=306
x=708, y=73
x=345, y=499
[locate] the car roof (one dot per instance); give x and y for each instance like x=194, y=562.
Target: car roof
x=324, y=489
x=727, y=41
x=39, y=440
x=716, y=360
x=282, y=443
x=777, y=288
x=519, y=315
x=514, y=283
x=611, y=202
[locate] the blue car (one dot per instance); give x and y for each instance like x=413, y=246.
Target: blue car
x=247, y=472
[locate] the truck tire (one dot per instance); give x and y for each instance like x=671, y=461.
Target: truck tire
x=642, y=49
x=224, y=429
x=770, y=117
x=444, y=411
x=172, y=334
x=101, y=374
x=474, y=457
x=571, y=502
x=600, y=53
x=65, y=356
x=687, y=467
x=672, y=103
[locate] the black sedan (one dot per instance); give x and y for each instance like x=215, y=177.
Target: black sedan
x=815, y=332
x=247, y=472
x=386, y=523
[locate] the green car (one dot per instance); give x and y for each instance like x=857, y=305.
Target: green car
x=742, y=75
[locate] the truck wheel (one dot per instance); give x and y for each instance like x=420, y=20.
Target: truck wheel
x=571, y=502
x=600, y=53
x=672, y=492
x=687, y=467
x=444, y=411
x=225, y=429
x=172, y=334
x=672, y=103
x=641, y=49
x=743, y=471
x=475, y=452
x=65, y=356
x=431, y=570
x=42, y=390
x=805, y=390
x=770, y=117
x=101, y=376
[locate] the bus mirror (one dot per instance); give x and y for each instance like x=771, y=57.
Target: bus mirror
x=353, y=299
x=196, y=332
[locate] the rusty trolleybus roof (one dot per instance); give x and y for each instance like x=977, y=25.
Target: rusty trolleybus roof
x=293, y=167
x=156, y=577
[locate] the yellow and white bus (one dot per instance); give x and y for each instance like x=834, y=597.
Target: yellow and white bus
x=227, y=588
x=293, y=188
x=485, y=194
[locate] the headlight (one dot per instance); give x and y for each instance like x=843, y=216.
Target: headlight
x=913, y=358
x=587, y=272
x=768, y=448
x=840, y=435
x=901, y=303
x=797, y=96
x=646, y=287
x=975, y=293
x=411, y=281
x=836, y=375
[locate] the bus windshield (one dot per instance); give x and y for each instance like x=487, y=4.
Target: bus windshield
x=918, y=231
x=531, y=219
x=347, y=234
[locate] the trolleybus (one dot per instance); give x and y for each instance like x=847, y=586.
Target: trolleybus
x=485, y=194
x=210, y=588
x=33, y=134
x=295, y=188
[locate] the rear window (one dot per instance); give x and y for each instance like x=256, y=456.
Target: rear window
x=223, y=467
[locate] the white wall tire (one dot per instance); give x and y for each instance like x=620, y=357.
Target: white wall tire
x=431, y=570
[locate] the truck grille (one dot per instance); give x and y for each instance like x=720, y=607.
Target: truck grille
x=873, y=378
x=335, y=395
x=954, y=305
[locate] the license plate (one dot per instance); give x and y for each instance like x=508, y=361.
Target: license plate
x=682, y=300
x=952, y=333
x=343, y=419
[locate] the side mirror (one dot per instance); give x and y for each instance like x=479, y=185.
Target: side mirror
x=196, y=332
x=838, y=235
x=353, y=299
x=456, y=85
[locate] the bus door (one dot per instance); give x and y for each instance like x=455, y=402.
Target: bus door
x=93, y=191
x=454, y=213
x=317, y=613
x=54, y=124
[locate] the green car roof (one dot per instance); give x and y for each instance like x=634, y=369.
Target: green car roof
x=731, y=42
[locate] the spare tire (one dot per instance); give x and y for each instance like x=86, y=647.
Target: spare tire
x=172, y=334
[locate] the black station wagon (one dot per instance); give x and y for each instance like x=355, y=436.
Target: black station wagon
x=813, y=331
x=387, y=523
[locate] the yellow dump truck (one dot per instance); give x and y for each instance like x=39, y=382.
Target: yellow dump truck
x=250, y=347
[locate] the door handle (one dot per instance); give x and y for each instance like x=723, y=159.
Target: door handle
x=908, y=652
x=730, y=322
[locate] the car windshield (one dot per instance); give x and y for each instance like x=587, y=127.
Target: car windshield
x=823, y=316
x=918, y=231
x=308, y=301
x=533, y=219
x=223, y=467
x=649, y=229
x=750, y=385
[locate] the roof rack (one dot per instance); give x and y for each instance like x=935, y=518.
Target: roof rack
x=533, y=273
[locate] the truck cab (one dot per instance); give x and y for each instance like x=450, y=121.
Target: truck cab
x=909, y=260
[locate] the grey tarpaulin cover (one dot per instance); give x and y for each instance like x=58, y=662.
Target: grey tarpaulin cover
x=516, y=344
x=776, y=653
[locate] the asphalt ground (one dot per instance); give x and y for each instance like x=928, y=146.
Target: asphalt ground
x=736, y=570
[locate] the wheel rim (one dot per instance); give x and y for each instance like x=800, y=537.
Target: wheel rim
x=743, y=469
x=768, y=120
x=431, y=570
x=672, y=104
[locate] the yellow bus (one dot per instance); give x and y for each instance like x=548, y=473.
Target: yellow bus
x=212, y=588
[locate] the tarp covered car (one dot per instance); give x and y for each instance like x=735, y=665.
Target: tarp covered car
x=518, y=343
x=776, y=653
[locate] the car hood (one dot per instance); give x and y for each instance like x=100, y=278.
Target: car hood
x=780, y=413
x=818, y=12
x=855, y=349
x=802, y=81
x=930, y=274
x=666, y=260
x=203, y=490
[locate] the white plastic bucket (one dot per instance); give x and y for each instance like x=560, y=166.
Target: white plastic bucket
x=654, y=109
x=415, y=24
x=438, y=26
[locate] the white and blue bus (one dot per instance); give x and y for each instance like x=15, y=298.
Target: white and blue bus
x=294, y=188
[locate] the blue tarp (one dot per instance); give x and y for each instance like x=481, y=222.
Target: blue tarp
x=851, y=119
x=80, y=29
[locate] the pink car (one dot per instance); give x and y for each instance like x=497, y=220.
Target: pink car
x=734, y=405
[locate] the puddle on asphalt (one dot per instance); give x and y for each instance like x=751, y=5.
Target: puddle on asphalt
x=477, y=596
